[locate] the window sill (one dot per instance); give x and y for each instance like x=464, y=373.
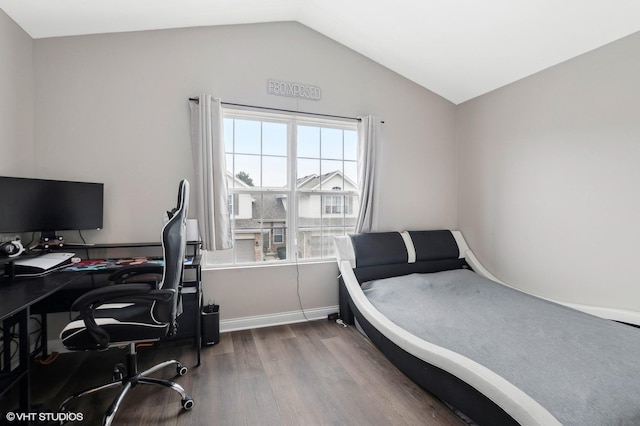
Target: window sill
x=221, y=267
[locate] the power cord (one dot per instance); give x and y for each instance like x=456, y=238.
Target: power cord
x=38, y=332
x=298, y=282
x=13, y=347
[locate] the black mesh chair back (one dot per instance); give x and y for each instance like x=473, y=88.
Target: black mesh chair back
x=174, y=240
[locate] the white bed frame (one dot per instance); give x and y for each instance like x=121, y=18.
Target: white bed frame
x=516, y=403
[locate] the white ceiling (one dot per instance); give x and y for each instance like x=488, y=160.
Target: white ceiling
x=458, y=49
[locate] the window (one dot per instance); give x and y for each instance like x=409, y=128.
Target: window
x=292, y=185
x=337, y=204
x=278, y=235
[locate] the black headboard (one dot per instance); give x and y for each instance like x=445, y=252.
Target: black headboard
x=389, y=254
x=379, y=248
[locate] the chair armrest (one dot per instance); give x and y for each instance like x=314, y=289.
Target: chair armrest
x=101, y=295
x=88, y=302
x=146, y=273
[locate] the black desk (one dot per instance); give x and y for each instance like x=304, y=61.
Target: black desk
x=19, y=295
x=189, y=321
x=16, y=299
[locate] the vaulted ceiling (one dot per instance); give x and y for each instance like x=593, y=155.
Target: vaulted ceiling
x=458, y=49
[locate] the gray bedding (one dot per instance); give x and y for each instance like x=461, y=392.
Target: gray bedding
x=584, y=370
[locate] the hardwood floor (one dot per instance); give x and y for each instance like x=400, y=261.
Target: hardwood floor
x=315, y=373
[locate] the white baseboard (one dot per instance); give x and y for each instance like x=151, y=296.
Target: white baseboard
x=281, y=318
x=247, y=323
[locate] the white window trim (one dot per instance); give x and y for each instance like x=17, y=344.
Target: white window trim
x=292, y=121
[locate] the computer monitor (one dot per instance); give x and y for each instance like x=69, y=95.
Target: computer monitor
x=47, y=206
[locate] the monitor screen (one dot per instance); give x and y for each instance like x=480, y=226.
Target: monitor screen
x=28, y=205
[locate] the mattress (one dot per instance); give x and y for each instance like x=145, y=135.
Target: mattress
x=583, y=369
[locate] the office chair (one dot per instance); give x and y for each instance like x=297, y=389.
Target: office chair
x=131, y=313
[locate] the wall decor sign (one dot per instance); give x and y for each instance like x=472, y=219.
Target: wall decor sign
x=293, y=90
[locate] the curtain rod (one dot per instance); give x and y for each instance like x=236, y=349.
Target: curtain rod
x=197, y=99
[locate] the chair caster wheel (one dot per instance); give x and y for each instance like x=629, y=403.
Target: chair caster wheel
x=187, y=403
x=182, y=370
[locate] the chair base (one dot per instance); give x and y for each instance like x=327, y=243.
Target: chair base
x=129, y=379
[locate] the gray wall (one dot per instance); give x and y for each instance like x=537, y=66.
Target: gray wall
x=16, y=100
x=549, y=173
x=542, y=180
x=113, y=108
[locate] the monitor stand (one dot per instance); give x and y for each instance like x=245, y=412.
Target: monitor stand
x=50, y=239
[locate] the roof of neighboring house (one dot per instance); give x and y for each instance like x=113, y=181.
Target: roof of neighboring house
x=267, y=206
x=314, y=181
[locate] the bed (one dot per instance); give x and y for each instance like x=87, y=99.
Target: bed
x=493, y=353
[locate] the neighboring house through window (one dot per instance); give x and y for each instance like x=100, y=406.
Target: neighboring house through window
x=336, y=204
x=292, y=183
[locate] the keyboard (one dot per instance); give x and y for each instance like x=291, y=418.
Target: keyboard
x=44, y=262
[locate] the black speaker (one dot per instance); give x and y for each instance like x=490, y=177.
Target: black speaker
x=210, y=316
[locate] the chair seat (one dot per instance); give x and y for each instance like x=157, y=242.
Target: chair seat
x=124, y=322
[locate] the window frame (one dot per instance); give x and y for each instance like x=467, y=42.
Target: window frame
x=291, y=228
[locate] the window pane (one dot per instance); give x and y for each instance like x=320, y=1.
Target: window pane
x=328, y=167
x=308, y=142
x=315, y=243
x=333, y=211
x=308, y=169
x=328, y=248
x=351, y=174
x=331, y=143
x=274, y=172
x=350, y=145
x=247, y=170
x=274, y=139
x=254, y=236
x=309, y=210
x=242, y=206
x=247, y=136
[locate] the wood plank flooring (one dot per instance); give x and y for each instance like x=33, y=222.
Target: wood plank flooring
x=315, y=373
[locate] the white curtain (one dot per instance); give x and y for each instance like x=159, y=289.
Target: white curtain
x=210, y=186
x=368, y=135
